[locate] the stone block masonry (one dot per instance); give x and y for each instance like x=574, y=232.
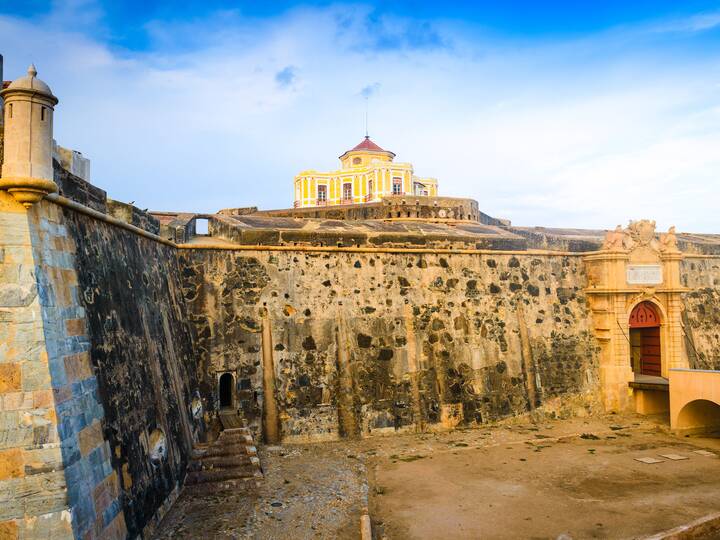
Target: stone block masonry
x=52, y=457
x=388, y=342
x=142, y=353
x=96, y=377
x=701, y=316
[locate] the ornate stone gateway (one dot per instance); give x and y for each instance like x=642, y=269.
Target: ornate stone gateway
x=636, y=276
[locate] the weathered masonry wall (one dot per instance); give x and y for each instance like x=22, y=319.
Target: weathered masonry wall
x=701, y=317
x=375, y=342
x=98, y=396
x=142, y=354
x=55, y=475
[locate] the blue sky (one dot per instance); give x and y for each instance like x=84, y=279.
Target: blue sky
x=582, y=114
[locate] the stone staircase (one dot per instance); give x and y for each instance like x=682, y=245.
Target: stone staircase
x=230, y=462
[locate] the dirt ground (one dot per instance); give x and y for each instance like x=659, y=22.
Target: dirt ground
x=577, y=478
x=308, y=492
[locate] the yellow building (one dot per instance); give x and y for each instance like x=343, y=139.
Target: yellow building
x=367, y=173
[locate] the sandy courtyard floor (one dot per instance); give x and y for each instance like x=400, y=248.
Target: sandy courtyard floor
x=577, y=478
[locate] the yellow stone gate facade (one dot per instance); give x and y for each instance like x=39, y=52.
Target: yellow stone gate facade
x=634, y=266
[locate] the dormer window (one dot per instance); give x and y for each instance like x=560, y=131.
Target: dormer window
x=357, y=161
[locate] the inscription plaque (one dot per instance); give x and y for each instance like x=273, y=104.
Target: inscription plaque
x=644, y=274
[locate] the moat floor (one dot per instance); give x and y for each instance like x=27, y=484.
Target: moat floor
x=574, y=477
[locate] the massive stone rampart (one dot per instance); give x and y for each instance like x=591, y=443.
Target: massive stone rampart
x=701, y=318
x=99, y=406
x=56, y=480
x=142, y=353
x=115, y=340
x=368, y=343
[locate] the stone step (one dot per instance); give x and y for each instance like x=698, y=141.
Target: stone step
x=231, y=420
x=234, y=441
x=229, y=462
x=221, y=475
x=235, y=434
x=220, y=462
x=217, y=451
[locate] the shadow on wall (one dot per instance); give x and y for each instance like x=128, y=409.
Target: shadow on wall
x=700, y=416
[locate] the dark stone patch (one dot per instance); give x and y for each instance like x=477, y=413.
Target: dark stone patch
x=364, y=341
x=385, y=354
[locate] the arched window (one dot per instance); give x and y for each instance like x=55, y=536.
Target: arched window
x=357, y=161
x=226, y=390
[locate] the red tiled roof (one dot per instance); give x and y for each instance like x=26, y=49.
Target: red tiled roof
x=368, y=146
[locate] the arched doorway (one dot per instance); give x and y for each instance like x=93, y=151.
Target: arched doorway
x=226, y=390
x=645, y=356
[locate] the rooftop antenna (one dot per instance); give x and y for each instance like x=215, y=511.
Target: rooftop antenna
x=367, y=99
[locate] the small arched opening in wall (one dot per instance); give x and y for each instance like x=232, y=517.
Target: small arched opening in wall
x=225, y=390
x=700, y=416
x=645, y=346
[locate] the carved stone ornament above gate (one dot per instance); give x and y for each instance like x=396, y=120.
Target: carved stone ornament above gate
x=640, y=235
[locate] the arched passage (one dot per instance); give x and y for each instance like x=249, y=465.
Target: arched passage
x=699, y=415
x=226, y=390
x=645, y=351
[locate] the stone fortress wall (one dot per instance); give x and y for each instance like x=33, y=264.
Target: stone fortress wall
x=99, y=403
x=372, y=343
x=116, y=326
x=701, y=316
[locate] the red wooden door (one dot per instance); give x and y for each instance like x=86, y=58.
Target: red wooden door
x=650, y=351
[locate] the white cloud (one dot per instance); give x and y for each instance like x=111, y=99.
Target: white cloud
x=586, y=133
